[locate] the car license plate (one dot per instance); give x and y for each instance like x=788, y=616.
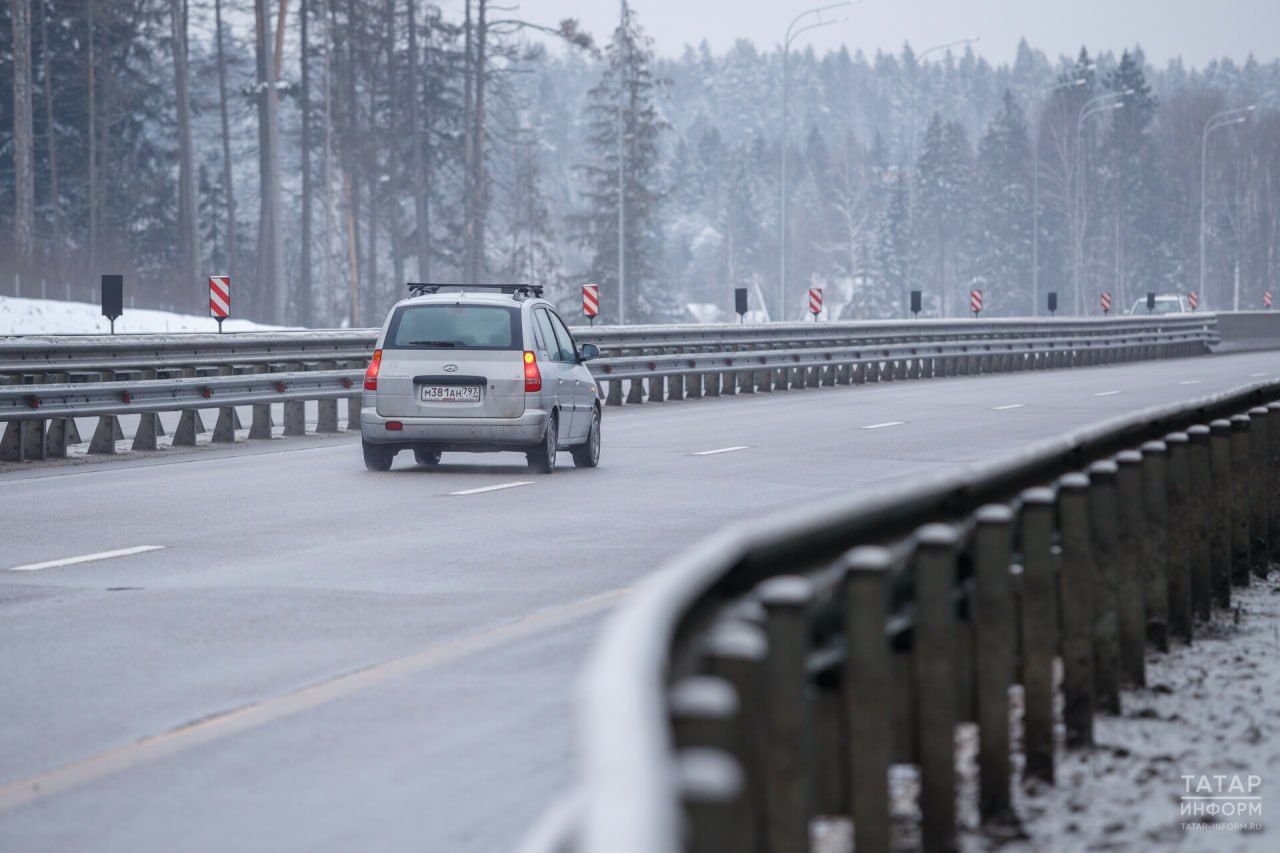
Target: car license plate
x=450, y=393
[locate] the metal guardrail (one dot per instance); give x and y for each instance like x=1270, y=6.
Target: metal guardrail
x=146, y=374
x=776, y=671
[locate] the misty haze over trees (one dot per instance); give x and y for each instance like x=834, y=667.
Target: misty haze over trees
x=366, y=143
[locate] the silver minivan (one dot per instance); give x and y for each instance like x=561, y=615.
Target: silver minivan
x=479, y=368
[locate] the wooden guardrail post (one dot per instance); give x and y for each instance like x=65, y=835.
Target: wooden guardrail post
x=934, y=658
x=1039, y=631
x=1241, y=516
x=736, y=651
x=710, y=784
x=1155, y=499
x=868, y=687
x=1075, y=583
x=1180, y=544
x=1103, y=511
x=1130, y=607
x=1220, y=532
x=1200, y=520
x=1259, y=546
x=994, y=640
x=785, y=600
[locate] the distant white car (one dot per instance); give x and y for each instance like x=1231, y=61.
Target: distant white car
x=1166, y=303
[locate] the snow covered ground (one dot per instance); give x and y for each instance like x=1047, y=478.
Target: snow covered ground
x=21, y=316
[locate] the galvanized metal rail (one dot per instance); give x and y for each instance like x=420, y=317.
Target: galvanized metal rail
x=774, y=673
x=146, y=374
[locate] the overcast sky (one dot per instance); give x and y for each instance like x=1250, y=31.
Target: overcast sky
x=1196, y=30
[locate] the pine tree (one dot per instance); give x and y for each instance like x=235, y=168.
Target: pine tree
x=943, y=178
x=1003, y=211
x=1136, y=212
x=623, y=182
x=893, y=243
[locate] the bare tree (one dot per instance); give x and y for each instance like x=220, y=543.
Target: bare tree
x=23, y=156
x=304, y=286
x=188, y=236
x=228, y=188
x=270, y=249
x=51, y=139
x=92, y=135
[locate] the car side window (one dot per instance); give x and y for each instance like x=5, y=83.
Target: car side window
x=568, y=350
x=547, y=334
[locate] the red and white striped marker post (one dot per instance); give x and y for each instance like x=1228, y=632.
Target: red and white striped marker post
x=1193, y=299
x=1266, y=300
x=591, y=302
x=815, y=302
x=219, y=298
x=975, y=302
x=1106, y=302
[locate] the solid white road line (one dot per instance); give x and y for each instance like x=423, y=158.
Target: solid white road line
x=86, y=558
x=1191, y=382
x=885, y=424
x=1106, y=393
x=494, y=488
x=719, y=450
x=1009, y=406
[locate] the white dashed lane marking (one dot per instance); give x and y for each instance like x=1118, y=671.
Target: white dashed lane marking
x=1106, y=393
x=86, y=558
x=1008, y=406
x=885, y=424
x=719, y=450
x=496, y=488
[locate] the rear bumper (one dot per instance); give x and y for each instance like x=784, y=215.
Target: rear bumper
x=456, y=433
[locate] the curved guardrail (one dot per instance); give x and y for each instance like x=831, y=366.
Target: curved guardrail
x=128, y=375
x=775, y=672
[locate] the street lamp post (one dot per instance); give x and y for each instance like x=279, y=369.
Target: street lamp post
x=1226, y=118
x=1035, y=197
x=1092, y=107
x=791, y=35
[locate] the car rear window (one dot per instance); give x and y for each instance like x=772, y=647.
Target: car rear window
x=455, y=327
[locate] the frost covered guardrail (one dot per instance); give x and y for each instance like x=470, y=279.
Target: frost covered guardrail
x=773, y=674
x=638, y=364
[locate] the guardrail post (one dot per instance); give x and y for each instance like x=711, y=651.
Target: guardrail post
x=1180, y=542
x=1155, y=500
x=149, y=426
x=710, y=785
x=224, y=430
x=1103, y=510
x=860, y=373
x=1241, y=517
x=327, y=410
x=1259, y=548
x=1131, y=528
x=1075, y=582
x=736, y=652
x=704, y=710
x=1273, y=476
x=786, y=677
x=107, y=432
x=189, y=422
x=260, y=426
x=934, y=658
x=59, y=430
x=295, y=411
x=994, y=640
x=868, y=687
x=1200, y=518
x=1220, y=500
x=356, y=400
x=710, y=384
x=614, y=397
x=635, y=394
x=1039, y=631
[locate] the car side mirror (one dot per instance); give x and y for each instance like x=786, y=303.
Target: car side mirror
x=588, y=351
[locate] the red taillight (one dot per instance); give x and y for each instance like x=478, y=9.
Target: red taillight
x=532, y=377
x=394, y=426
x=371, y=374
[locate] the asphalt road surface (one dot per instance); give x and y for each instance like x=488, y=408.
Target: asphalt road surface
x=314, y=657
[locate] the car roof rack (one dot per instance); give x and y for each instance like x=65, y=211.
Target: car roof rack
x=520, y=291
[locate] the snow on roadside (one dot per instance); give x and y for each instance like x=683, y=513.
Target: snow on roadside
x=1209, y=708
x=22, y=316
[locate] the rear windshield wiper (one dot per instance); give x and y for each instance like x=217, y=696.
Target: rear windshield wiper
x=433, y=343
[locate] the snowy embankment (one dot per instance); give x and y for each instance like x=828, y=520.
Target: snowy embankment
x=21, y=316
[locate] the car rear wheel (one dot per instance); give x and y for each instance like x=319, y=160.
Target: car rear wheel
x=542, y=459
x=427, y=457
x=587, y=455
x=377, y=457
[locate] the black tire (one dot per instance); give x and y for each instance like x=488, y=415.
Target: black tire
x=426, y=457
x=377, y=457
x=587, y=455
x=542, y=459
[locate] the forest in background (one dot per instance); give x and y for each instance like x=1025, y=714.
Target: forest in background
x=324, y=152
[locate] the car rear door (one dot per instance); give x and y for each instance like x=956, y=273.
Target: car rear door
x=558, y=377
x=578, y=378
x=452, y=359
